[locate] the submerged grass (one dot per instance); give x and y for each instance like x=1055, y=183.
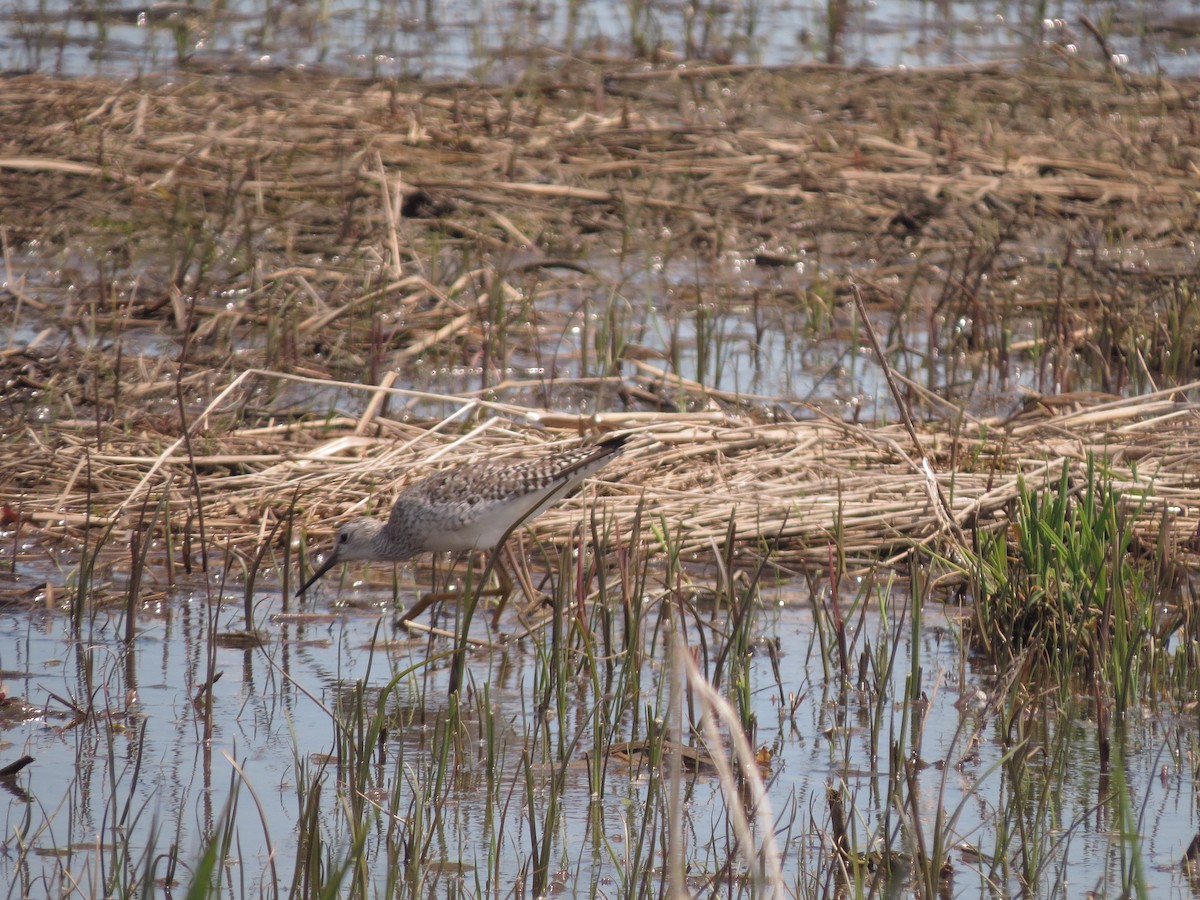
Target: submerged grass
x=1059, y=584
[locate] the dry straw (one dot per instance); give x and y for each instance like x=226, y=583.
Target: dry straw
x=775, y=164
x=794, y=486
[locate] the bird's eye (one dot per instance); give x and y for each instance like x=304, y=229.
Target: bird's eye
x=343, y=537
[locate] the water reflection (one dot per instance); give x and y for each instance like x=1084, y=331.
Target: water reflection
x=499, y=42
x=124, y=747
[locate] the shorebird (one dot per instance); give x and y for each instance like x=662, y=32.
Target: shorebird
x=472, y=507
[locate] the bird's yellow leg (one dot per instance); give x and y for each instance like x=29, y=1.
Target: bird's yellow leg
x=503, y=591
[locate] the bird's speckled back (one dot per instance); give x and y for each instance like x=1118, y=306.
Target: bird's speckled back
x=471, y=506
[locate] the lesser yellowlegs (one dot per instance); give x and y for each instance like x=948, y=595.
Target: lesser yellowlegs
x=471, y=507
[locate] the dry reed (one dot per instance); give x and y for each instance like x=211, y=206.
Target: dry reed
x=775, y=164
x=790, y=485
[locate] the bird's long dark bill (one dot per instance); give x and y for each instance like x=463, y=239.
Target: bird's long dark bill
x=325, y=567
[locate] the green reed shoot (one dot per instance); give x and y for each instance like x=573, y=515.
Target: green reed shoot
x=1061, y=579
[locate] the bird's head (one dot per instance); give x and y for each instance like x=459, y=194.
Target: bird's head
x=357, y=539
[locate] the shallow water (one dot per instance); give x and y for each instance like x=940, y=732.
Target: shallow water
x=142, y=769
x=756, y=347
x=497, y=41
